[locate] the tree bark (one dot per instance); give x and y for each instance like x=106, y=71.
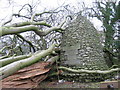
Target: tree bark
x=15, y=30
x=30, y=76
x=15, y=66
x=9, y=60
x=89, y=71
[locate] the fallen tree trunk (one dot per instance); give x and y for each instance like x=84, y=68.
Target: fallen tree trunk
x=89, y=71
x=9, y=60
x=15, y=66
x=12, y=59
x=29, y=77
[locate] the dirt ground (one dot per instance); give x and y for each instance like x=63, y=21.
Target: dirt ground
x=66, y=84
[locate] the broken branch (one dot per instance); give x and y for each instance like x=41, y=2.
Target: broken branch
x=89, y=71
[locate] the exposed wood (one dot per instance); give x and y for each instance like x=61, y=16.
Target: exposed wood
x=15, y=66
x=30, y=76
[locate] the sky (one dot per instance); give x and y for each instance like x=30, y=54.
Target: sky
x=6, y=9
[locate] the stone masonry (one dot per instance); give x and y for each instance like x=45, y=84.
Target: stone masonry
x=81, y=46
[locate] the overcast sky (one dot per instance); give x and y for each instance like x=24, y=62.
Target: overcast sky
x=6, y=9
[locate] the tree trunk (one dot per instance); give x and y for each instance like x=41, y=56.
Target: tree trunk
x=31, y=76
x=15, y=66
x=9, y=60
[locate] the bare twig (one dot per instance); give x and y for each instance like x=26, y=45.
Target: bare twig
x=20, y=36
x=24, y=6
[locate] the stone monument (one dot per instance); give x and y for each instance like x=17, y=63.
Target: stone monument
x=81, y=46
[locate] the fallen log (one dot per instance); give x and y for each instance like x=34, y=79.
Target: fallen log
x=29, y=77
x=15, y=66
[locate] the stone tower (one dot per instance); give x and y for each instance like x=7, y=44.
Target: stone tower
x=81, y=46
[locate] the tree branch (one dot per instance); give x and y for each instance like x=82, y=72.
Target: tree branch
x=45, y=32
x=29, y=23
x=15, y=30
x=24, y=6
x=11, y=18
x=89, y=71
x=9, y=60
x=26, y=41
x=39, y=14
x=15, y=66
